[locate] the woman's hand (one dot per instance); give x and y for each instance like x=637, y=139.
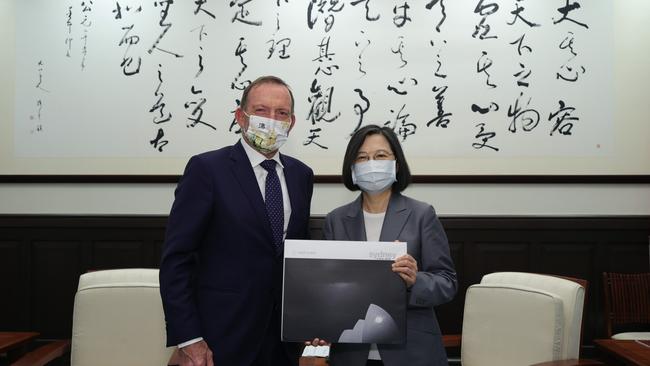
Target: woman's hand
x=407, y=268
x=317, y=342
x=316, y=348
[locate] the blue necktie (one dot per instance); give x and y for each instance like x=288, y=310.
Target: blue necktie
x=274, y=206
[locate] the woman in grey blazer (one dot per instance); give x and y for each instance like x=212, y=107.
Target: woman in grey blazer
x=374, y=163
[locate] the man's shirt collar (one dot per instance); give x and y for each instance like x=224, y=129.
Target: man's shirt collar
x=256, y=158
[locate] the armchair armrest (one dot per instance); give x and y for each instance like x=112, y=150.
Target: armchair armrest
x=572, y=362
x=451, y=340
x=313, y=361
x=44, y=354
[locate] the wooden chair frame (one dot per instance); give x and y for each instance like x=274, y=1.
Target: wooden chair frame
x=627, y=300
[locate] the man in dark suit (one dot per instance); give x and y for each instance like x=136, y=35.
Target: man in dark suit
x=221, y=268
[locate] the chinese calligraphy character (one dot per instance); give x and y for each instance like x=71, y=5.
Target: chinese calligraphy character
x=442, y=118
x=311, y=139
x=482, y=65
x=360, y=110
x=485, y=138
x=437, y=73
x=567, y=71
x=405, y=128
x=483, y=29
x=493, y=107
x=239, y=52
x=433, y=3
x=129, y=40
x=282, y=44
x=242, y=14
x=199, y=7
x=520, y=45
x=523, y=75
x=164, y=13
x=517, y=15
x=528, y=118
x=563, y=119
x=321, y=104
x=400, y=19
x=158, y=142
x=367, y=5
x=356, y=44
x=400, y=51
x=565, y=10
x=321, y=4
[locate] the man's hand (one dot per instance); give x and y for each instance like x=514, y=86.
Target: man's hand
x=196, y=354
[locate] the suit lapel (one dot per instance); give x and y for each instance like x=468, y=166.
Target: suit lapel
x=353, y=221
x=295, y=191
x=396, y=215
x=243, y=172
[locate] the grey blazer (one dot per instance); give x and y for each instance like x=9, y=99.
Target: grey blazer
x=416, y=223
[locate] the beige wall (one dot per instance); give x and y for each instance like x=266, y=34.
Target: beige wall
x=448, y=199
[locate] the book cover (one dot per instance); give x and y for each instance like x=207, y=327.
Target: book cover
x=343, y=292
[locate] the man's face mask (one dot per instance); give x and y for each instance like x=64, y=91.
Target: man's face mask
x=266, y=134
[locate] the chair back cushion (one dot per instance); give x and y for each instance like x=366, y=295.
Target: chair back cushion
x=571, y=293
x=118, y=319
x=511, y=326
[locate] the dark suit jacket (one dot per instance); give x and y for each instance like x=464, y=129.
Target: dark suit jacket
x=416, y=223
x=220, y=278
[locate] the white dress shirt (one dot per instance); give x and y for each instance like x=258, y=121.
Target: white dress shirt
x=373, y=223
x=260, y=174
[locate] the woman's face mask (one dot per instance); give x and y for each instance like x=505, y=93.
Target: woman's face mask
x=374, y=176
x=266, y=134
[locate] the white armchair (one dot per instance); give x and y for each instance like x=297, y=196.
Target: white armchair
x=118, y=319
x=515, y=319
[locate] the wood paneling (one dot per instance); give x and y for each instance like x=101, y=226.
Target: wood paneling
x=119, y=254
x=42, y=257
x=56, y=266
x=13, y=291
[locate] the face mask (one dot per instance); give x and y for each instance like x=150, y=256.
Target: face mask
x=266, y=134
x=374, y=176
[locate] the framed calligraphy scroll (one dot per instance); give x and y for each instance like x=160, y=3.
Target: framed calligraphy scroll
x=477, y=90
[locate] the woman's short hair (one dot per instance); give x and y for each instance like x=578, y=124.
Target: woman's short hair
x=357, y=139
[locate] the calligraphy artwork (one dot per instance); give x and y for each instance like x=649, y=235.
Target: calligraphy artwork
x=466, y=78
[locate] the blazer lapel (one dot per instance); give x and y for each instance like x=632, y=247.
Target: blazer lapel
x=396, y=215
x=295, y=191
x=353, y=221
x=243, y=172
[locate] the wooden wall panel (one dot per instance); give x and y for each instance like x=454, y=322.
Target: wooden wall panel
x=619, y=256
x=108, y=254
x=55, y=273
x=14, y=283
x=42, y=257
x=500, y=255
x=575, y=259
